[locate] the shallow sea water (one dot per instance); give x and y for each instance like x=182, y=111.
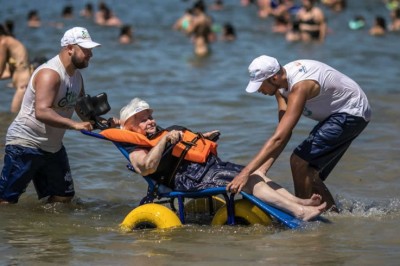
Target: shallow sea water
x=206, y=94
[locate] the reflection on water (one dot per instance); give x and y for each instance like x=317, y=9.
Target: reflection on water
x=32, y=244
x=206, y=94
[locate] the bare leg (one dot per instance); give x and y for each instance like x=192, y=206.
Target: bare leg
x=259, y=188
x=314, y=200
x=306, y=182
x=320, y=188
x=302, y=182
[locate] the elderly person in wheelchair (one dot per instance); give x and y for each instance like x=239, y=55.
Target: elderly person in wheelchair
x=186, y=161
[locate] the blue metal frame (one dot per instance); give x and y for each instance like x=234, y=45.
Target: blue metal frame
x=153, y=193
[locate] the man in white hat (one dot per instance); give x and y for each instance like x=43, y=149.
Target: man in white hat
x=317, y=91
x=34, y=149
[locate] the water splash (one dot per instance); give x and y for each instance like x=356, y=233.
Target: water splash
x=369, y=208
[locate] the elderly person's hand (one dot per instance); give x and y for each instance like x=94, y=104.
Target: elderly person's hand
x=174, y=136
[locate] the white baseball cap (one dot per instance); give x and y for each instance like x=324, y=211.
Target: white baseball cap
x=79, y=36
x=260, y=69
x=135, y=106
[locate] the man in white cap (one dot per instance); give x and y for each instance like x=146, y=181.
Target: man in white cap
x=317, y=91
x=34, y=149
x=159, y=163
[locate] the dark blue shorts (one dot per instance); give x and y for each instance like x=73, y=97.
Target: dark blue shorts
x=213, y=173
x=329, y=140
x=50, y=173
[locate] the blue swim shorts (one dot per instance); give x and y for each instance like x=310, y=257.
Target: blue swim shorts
x=213, y=173
x=329, y=140
x=50, y=173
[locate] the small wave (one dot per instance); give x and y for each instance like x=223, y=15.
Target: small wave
x=369, y=208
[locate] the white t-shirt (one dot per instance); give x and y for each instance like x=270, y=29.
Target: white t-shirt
x=26, y=130
x=338, y=93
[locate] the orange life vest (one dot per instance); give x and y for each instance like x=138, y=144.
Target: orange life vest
x=196, y=147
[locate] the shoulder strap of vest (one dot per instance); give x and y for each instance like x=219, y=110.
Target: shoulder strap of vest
x=188, y=145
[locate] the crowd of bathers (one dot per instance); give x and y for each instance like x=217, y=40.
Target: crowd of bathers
x=297, y=20
x=305, y=20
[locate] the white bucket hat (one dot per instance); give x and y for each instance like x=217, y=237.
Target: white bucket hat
x=135, y=106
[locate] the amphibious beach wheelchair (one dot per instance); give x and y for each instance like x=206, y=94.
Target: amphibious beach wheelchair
x=152, y=212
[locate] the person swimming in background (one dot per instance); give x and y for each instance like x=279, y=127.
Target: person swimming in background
x=395, y=20
x=14, y=64
x=200, y=40
x=105, y=17
x=281, y=24
x=311, y=21
x=126, y=34
x=293, y=34
x=392, y=4
x=357, y=23
x=335, y=5
x=33, y=19
x=67, y=12
x=200, y=17
x=217, y=5
x=286, y=9
x=247, y=2
x=379, y=27
x=87, y=11
x=228, y=32
x=265, y=8
x=183, y=23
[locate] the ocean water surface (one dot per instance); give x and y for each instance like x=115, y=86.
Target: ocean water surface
x=206, y=94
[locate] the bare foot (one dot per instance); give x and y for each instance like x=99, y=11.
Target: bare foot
x=310, y=212
x=314, y=200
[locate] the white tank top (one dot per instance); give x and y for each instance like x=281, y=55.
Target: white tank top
x=26, y=130
x=338, y=93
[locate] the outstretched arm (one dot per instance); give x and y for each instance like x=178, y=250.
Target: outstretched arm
x=282, y=106
x=276, y=143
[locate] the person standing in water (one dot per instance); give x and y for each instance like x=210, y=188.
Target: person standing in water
x=317, y=91
x=34, y=150
x=14, y=64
